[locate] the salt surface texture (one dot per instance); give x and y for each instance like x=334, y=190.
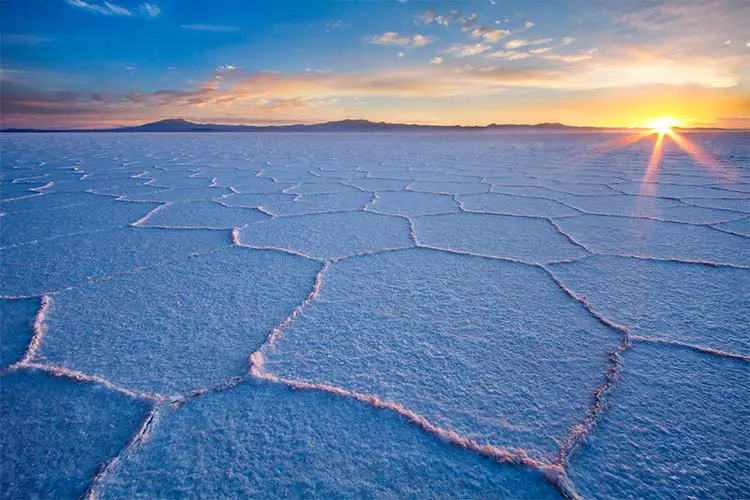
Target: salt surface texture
x=373, y=315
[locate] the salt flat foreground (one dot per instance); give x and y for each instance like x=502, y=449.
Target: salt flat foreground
x=375, y=315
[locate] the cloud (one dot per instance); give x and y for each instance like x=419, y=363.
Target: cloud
x=508, y=55
x=394, y=38
x=529, y=24
x=431, y=16
x=570, y=58
x=226, y=68
x=150, y=9
x=436, y=60
x=27, y=39
x=421, y=40
x=465, y=50
x=112, y=9
x=218, y=28
x=515, y=44
x=269, y=95
x=567, y=40
x=540, y=50
x=489, y=35
x=452, y=17
x=426, y=17
x=105, y=8
x=400, y=55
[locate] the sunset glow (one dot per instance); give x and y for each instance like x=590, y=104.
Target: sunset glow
x=83, y=64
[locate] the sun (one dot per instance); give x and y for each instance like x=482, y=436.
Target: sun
x=662, y=125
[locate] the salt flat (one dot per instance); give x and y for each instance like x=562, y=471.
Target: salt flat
x=433, y=315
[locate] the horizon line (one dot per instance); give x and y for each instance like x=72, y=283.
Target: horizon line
x=362, y=122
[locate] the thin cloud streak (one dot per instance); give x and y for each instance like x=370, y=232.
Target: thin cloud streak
x=106, y=8
x=209, y=27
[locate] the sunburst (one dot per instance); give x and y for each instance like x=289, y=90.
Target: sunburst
x=664, y=127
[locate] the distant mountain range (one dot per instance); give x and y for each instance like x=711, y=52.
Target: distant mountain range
x=180, y=125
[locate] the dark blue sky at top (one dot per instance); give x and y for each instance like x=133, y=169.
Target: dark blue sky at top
x=278, y=34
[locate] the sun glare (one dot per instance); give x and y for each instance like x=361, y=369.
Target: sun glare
x=662, y=128
x=663, y=125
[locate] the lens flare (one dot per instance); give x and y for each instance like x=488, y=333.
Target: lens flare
x=663, y=128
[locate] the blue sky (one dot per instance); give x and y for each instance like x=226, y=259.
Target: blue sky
x=90, y=62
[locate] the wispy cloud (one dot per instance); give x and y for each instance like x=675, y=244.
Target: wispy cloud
x=430, y=16
x=570, y=58
x=218, y=28
x=105, y=8
x=150, y=10
x=394, y=38
x=436, y=60
x=465, y=50
x=112, y=9
x=489, y=35
x=334, y=25
x=271, y=95
x=515, y=44
x=567, y=40
x=28, y=39
x=508, y=55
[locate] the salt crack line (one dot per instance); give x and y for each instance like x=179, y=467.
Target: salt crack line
x=691, y=204
x=695, y=347
x=143, y=219
x=347, y=184
x=554, y=473
x=375, y=198
x=578, y=433
x=581, y=430
x=78, y=376
x=24, y=197
x=412, y=229
x=463, y=208
x=221, y=386
x=59, y=236
x=278, y=330
x=259, y=208
x=29, y=297
x=673, y=260
x=623, y=330
x=365, y=253
x=492, y=257
x=236, y=242
x=27, y=361
x=727, y=231
x=139, y=438
x=41, y=189
x=568, y=236
x=39, y=330
x=739, y=216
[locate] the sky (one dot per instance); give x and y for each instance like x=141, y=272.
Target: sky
x=621, y=63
